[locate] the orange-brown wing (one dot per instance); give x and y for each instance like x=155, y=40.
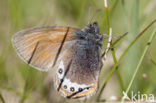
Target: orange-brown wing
x=40, y=47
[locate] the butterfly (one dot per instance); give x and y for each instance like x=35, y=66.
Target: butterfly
x=74, y=53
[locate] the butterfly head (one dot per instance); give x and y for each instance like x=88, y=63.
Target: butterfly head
x=91, y=33
x=93, y=28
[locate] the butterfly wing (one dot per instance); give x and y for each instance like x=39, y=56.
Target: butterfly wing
x=77, y=73
x=40, y=47
x=78, y=65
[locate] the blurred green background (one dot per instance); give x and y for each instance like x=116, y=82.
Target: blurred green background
x=20, y=83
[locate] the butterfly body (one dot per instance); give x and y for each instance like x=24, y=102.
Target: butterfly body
x=73, y=52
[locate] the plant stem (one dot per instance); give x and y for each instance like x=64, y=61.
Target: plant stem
x=121, y=57
x=140, y=61
x=113, y=52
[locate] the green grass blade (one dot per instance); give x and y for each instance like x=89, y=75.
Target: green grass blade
x=121, y=57
x=140, y=61
x=117, y=70
x=113, y=52
x=122, y=36
x=153, y=62
x=2, y=99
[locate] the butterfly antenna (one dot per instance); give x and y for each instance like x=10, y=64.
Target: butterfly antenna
x=97, y=11
x=89, y=14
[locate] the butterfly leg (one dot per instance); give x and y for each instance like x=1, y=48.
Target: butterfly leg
x=104, y=54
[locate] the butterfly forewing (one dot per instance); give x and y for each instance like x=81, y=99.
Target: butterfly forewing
x=39, y=46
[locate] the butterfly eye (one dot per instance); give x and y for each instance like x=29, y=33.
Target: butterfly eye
x=90, y=25
x=95, y=23
x=72, y=89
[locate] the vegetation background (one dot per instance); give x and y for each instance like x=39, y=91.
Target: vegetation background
x=19, y=83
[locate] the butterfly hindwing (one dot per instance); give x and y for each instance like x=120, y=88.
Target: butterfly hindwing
x=77, y=73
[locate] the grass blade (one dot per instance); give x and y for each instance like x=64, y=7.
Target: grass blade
x=122, y=36
x=113, y=51
x=141, y=59
x=121, y=57
x=2, y=99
